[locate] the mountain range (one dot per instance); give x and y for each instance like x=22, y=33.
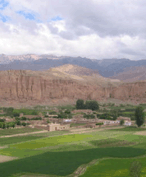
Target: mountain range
x=64, y=85
x=123, y=69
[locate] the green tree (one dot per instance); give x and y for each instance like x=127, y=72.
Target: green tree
x=114, y=114
x=135, y=169
x=93, y=105
x=139, y=116
x=121, y=122
x=80, y=104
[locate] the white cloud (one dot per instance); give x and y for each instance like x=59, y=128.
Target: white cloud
x=89, y=28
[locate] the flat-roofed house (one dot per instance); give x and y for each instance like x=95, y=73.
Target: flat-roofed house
x=55, y=127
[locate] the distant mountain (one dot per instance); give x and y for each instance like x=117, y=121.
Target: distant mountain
x=105, y=67
x=132, y=74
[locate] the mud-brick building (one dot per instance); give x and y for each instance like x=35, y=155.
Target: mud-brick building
x=55, y=127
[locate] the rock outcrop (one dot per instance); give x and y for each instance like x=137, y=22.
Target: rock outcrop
x=35, y=87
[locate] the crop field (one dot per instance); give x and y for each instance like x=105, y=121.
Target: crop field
x=17, y=131
x=107, y=153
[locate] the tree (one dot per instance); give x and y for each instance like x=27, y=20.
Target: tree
x=93, y=105
x=135, y=169
x=80, y=104
x=139, y=115
x=121, y=122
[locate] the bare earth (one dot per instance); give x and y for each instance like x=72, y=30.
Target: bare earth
x=23, y=134
x=4, y=158
x=140, y=133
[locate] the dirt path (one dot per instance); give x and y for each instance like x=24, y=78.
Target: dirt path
x=23, y=134
x=93, y=130
x=140, y=133
x=4, y=158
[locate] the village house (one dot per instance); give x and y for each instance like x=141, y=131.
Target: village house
x=124, y=118
x=55, y=127
x=127, y=120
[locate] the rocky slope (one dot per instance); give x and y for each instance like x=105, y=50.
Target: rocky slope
x=56, y=86
x=132, y=74
x=105, y=67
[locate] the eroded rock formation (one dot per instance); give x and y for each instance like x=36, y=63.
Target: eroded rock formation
x=27, y=86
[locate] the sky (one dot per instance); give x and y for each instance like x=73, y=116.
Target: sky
x=95, y=29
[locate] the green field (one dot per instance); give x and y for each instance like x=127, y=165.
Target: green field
x=50, y=155
x=17, y=131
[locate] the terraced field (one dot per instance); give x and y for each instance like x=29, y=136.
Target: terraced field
x=105, y=153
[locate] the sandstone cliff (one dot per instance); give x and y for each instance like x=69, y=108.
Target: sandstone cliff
x=35, y=87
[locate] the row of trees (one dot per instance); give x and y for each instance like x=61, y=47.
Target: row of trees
x=93, y=105
x=4, y=125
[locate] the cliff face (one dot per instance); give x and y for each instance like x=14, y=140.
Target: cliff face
x=23, y=86
x=27, y=86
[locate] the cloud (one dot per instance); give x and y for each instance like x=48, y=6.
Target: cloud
x=89, y=28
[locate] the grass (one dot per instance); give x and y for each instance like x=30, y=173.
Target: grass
x=132, y=128
x=54, y=133
x=75, y=124
x=64, y=163
x=17, y=131
x=26, y=111
x=19, y=139
x=52, y=141
x=111, y=143
x=114, y=168
x=62, y=155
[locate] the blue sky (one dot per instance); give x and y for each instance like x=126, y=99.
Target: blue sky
x=29, y=16
x=3, y=5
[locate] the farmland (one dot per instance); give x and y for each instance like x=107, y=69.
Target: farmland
x=95, y=153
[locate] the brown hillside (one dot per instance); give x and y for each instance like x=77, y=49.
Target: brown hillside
x=132, y=74
x=56, y=87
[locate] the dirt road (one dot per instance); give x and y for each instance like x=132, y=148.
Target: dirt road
x=23, y=134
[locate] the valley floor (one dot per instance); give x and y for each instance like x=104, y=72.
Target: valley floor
x=95, y=152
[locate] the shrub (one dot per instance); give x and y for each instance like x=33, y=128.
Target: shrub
x=48, y=121
x=36, y=118
x=52, y=112
x=2, y=120
x=16, y=114
x=89, y=116
x=3, y=125
x=67, y=112
x=23, y=123
x=100, y=123
x=18, y=122
x=12, y=124
x=55, y=116
x=105, y=116
x=7, y=125
x=62, y=115
x=23, y=118
x=8, y=111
